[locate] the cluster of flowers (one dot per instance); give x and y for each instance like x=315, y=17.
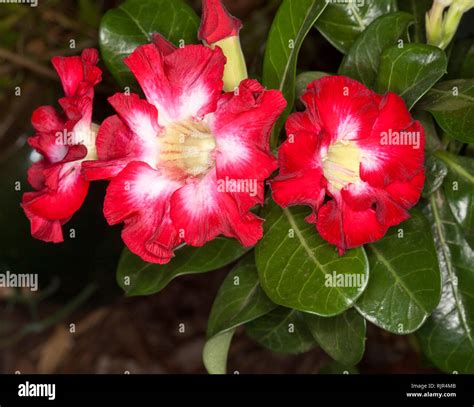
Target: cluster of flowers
x=166, y=156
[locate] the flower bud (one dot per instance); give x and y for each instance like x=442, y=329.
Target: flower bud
x=441, y=26
x=219, y=28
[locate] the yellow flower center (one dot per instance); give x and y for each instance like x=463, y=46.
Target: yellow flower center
x=187, y=146
x=341, y=164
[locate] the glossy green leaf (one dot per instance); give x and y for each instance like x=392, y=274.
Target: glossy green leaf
x=342, y=337
x=216, y=349
x=418, y=9
x=292, y=23
x=298, y=269
x=362, y=61
x=124, y=28
x=459, y=190
x=410, y=71
x=239, y=300
x=435, y=173
x=342, y=22
x=447, y=338
x=305, y=78
x=452, y=105
x=405, y=281
x=338, y=368
x=137, y=277
x=283, y=330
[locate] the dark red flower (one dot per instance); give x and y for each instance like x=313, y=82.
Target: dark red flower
x=189, y=162
x=355, y=157
x=64, y=140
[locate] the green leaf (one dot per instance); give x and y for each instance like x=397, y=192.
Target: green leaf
x=447, y=338
x=341, y=23
x=459, y=190
x=298, y=269
x=305, y=78
x=239, y=300
x=405, y=281
x=435, y=172
x=292, y=23
x=137, y=277
x=124, y=28
x=338, y=368
x=341, y=337
x=283, y=330
x=216, y=349
x=410, y=71
x=452, y=105
x=418, y=9
x=362, y=61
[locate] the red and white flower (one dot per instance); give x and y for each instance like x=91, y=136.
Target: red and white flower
x=167, y=156
x=64, y=140
x=353, y=156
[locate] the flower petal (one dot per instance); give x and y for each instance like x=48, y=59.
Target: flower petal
x=361, y=227
x=248, y=114
x=300, y=152
x=395, y=148
x=301, y=122
x=116, y=146
x=50, y=127
x=241, y=125
x=44, y=229
x=407, y=194
x=63, y=195
x=202, y=213
x=186, y=83
x=139, y=196
x=362, y=197
x=344, y=108
x=345, y=228
x=164, y=46
x=35, y=174
x=305, y=188
x=78, y=74
x=140, y=117
x=329, y=225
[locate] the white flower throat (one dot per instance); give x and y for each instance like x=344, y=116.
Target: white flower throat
x=188, y=147
x=341, y=164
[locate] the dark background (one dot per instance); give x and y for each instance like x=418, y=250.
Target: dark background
x=114, y=334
